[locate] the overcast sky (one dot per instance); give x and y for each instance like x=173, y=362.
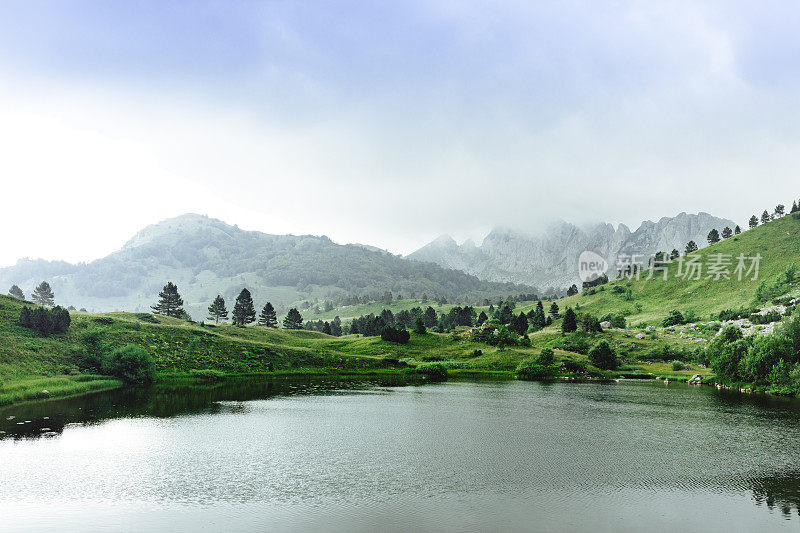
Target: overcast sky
x=388, y=123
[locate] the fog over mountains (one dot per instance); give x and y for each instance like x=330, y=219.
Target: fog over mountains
x=549, y=258
x=206, y=257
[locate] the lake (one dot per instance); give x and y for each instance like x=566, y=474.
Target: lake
x=367, y=455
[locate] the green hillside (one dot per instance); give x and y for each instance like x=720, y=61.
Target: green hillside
x=778, y=243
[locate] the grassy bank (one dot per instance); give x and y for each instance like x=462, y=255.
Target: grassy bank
x=28, y=388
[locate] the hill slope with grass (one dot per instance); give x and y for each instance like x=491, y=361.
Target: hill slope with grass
x=650, y=301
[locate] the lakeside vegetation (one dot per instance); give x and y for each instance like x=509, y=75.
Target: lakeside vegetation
x=672, y=328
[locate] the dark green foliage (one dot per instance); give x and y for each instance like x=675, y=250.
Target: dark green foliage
x=753, y=221
x=781, y=286
x=546, y=357
x=419, y=326
x=570, y=322
x=244, y=312
x=269, y=318
x=430, y=318
x=170, y=302
x=676, y=254
x=737, y=230
x=532, y=370
x=573, y=343
x=431, y=371
x=675, y=318
x=458, y=316
x=217, y=309
x=602, y=356
x=43, y=295
x=390, y=334
x=16, y=292
x=554, y=310
x=519, y=324
x=616, y=320
x=765, y=217
x=713, y=236
x=45, y=321
x=678, y=365
x=481, y=318
x=766, y=318
x=573, y=290
x=691, y=246
x=132, y=364
x=293, y=319
x=590, y=324
x=727, y=232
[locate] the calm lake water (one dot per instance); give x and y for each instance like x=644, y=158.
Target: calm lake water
x=323, y=455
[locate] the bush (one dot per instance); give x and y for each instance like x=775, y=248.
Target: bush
x=677, y=365
x=573, y=366
x=675, y=318
x=766, y=318
x=146, y=317
x=207, y=374
x=398, y=335
x=530, y=369
x=431, y=371
x=574, y=344
x=45, y=321
x=617, y=321
x=546, y=357
x=603, y=357
x=132, y=364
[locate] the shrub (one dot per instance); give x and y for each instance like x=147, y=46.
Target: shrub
x=207, y=374
x=146, y=317
x=530, y=369
x=603, y=357
x=573, y=366
x=617, y=321
x=766, y=318
x=431, y=371
x=573, y=344
x=398, y=335
x=132, y=364
x=104, y=320
x=546, y=357
x=675, y=318
x=677, y=365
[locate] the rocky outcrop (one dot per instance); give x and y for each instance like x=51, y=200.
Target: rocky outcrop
x=550, y=258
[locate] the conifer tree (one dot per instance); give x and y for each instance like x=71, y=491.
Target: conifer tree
x=268, y=317
x=217, y=309
x=419, y=326
x=243, y=310
x=336, y=327
x=780, y=210
x=753, y=221
x=691, y=246
x=293, y=319
x=674, y=254
x=482, y=318
x=43, y=295
x=170, y=302
x=765, y=217
x=572, y=291
x=570, y=322
x=554, y=309
x=727, y=232
x=16, y=292
x=737, y=230
x=713, y=236
x=430, y=317
x=794, y=207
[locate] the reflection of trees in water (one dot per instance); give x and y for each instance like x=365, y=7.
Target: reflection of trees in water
x=779, y=491
x=48, y=419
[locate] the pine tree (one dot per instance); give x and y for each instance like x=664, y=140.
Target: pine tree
x=482, y=318
x=16, y=292
x=765, y=217
x=737, y=230
x=674, y=254
x=691, y=246
x=170, y=302
x=554, y=309
x=336, y=327
x=419, y=326
x=713, y=236
x=326, y=328
x=243, y=310
x=780, y=210
x=570, y=322
x=753, y=221
x=293, y=319
x=268, y=317
x=727, y=232
x=43, y=295
x=217, y=309
x=430, y=317
x=794, y=207
x=572, y=291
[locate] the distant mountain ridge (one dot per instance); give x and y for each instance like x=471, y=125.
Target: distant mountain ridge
x=550, y=259
x=206, y=257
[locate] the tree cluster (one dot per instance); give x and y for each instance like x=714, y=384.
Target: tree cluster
x=45, y=321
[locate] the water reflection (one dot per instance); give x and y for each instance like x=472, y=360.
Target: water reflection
x=779, y=492
x=48, y=419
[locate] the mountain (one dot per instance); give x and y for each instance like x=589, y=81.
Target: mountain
x=206, y=257
x=550, y=258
